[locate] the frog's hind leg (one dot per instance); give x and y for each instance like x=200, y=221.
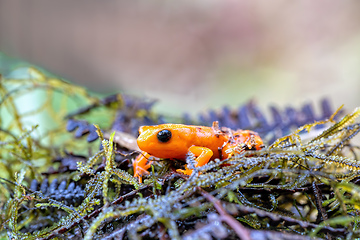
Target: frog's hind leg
x=251, y=139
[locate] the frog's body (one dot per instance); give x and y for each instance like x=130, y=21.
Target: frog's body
x=174, y=141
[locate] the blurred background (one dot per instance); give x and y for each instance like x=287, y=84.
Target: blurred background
x=194, y=55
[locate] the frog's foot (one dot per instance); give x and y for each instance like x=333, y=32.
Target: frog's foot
x=186, y=171
x=139, y=171
x=141, y=164
x=139, y=174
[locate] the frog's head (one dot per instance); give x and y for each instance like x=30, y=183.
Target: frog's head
x=165, y=140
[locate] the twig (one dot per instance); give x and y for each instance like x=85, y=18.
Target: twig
x=240, y=230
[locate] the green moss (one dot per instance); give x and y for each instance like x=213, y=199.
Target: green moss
x=293, y=186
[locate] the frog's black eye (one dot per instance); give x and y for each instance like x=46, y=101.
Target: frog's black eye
x=164, y=135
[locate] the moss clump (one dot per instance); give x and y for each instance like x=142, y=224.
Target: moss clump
x=303, y=185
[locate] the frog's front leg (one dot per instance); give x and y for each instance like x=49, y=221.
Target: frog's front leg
x=202, y=154
x=141, y=164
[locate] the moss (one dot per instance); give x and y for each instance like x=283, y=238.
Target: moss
x=291, y=188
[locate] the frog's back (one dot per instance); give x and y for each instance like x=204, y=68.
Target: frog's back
x=210, y=138
x=244, y=139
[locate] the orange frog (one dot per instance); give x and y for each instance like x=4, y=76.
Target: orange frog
x=174, y=141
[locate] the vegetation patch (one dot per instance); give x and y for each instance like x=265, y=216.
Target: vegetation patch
x=59, y=184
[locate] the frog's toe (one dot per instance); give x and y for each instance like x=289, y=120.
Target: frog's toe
x=186, y=171
x=139, y=172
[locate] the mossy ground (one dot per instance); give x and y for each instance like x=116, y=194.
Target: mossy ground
x=302, y=186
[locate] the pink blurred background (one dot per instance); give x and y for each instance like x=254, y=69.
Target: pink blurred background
x=194, y=55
